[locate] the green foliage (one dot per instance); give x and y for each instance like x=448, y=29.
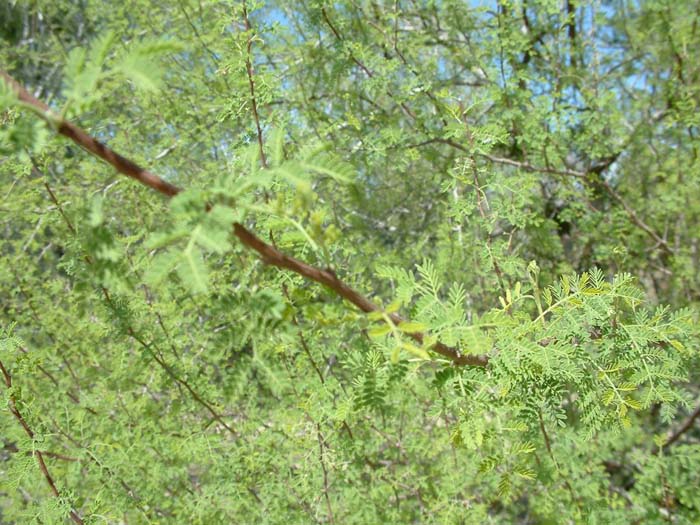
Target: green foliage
x=88, y=72
x=517, y=181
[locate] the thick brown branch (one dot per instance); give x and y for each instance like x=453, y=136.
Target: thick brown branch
x=267, y=252
x=274, y=257
x=92, y=145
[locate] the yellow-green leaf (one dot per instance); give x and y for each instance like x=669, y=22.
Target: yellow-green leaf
x=379, y=331
x=415, y=350
x=411, y=327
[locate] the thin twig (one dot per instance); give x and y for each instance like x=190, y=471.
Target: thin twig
x=636, y=219
x=321, y=457
x=133, y=335
x=39, y=455
x=548, y=446
x=251, y=82
x=168, y=369
x=360, y=64
x=480, y=200
x=302, y=339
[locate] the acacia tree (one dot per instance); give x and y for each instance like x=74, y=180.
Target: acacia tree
x=429, y=262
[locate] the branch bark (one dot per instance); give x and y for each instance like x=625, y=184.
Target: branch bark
x=268, y=253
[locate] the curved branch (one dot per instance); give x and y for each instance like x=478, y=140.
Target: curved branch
x=268, y=253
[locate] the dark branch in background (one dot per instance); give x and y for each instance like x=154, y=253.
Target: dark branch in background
x=39, y=455
x=690, y=420
x=571, y=24
x=660, y=241
x=269, y=254
x=585, y=175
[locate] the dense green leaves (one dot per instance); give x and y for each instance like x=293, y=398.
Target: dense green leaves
x=514, y=180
